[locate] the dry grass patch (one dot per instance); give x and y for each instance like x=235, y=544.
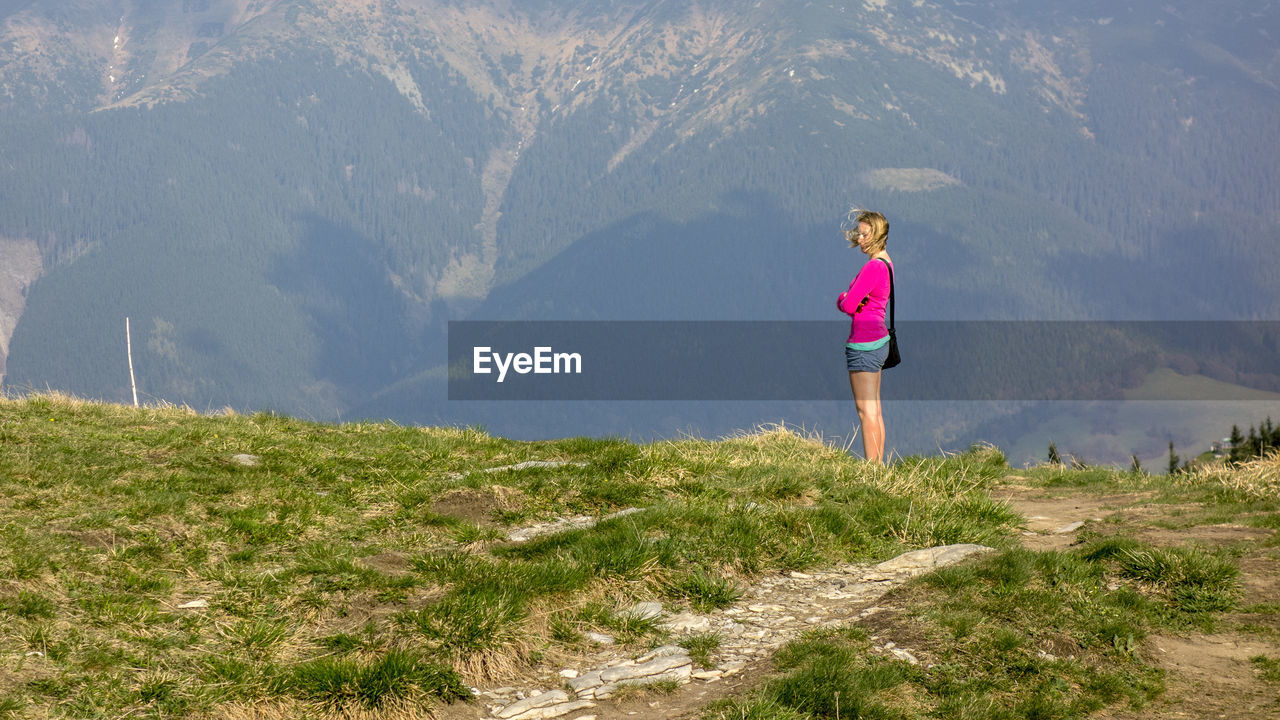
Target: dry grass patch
x=1258, y=478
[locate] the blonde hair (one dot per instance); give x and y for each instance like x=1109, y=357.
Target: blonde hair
x=879, y=229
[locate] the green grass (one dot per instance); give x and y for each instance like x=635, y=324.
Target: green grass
x=1194, y=581
x=832, y=675
x=363, y=567
x=1020, y=633
x=1268, y=667
x=703, y=591
x=346, y=544
x=633, y=690
x=701, y=647
x=394, y=675
x=994, y=637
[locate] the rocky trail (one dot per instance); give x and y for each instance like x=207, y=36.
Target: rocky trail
x=770, y=613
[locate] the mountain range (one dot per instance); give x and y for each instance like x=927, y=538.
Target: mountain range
x=291, y=198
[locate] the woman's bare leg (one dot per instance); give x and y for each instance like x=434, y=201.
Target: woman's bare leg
x=866, y=396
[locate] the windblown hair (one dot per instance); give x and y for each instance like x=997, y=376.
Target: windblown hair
x=879, y=230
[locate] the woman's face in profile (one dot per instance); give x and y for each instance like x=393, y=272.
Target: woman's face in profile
x=863, y=235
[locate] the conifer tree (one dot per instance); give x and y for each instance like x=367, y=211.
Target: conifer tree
x=1255, y=444
x=1237, y=445
x=1054, y=457
x=1173, y=460
x=1136, y=467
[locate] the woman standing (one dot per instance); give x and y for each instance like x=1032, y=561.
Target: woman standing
x=868, y=344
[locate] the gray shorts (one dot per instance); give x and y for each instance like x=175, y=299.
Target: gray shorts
x=866, y=360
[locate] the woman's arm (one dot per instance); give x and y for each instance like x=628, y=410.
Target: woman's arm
x=871, y=276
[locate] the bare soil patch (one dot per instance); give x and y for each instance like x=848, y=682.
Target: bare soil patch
x=1260, y=579
x=1046, y=514
x=478, y=507
x=1211, y=535
x=1048, y=517
x=1209, y=676
x=390, y=563
x=103, y=539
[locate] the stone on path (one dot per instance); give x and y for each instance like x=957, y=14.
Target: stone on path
x=546, y=699
x=656, y=666
x=687, y=623
x=246, y=460
x=535, y=464
x=904, y=655
x=643, y=611
x=553, y=711
x=1069, y=528
x=919, y=562
x=579, y=522
x=519, y=466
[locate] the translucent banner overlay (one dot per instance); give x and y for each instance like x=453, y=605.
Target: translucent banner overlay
x=781, y=360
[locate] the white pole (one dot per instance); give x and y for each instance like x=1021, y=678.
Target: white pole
x=128, y=342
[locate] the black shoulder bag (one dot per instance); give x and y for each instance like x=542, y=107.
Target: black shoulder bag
x=893, y=358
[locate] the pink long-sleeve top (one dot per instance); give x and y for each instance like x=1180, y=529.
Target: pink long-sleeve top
x=866, y=300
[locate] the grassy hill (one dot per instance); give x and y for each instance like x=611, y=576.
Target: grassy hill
x=164, y=563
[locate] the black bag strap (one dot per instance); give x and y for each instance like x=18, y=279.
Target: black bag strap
x=886, y=264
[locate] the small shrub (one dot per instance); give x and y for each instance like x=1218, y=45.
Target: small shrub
x=1118, y=635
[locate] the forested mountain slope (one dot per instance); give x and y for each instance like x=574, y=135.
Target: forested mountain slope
x=290, y=197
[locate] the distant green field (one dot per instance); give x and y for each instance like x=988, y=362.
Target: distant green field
x=1166, y=383
x=1143, y=424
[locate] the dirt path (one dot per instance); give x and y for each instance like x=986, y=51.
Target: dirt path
x=1207, y=675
